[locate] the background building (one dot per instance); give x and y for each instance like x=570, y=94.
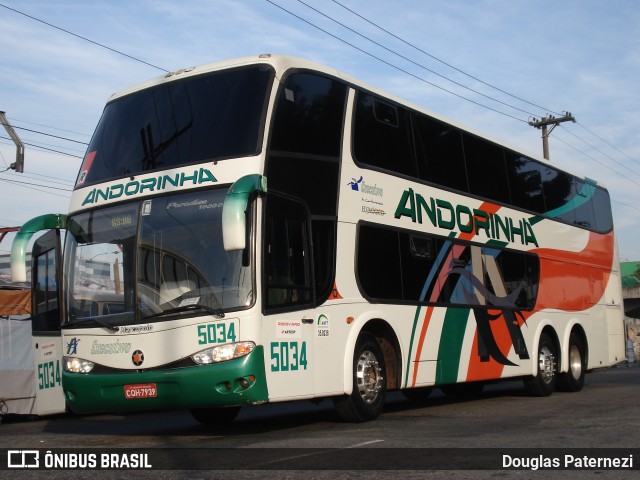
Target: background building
x=631, y=293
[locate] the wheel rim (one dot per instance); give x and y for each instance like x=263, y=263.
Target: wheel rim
x=575, y=362
x=369, y=377
x=546, y=364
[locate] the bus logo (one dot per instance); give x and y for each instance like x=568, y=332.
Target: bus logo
x=137, y=358
x=23, y=459
x=72, y=346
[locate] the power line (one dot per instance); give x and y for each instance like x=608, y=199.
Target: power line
x=47, y=149
x=440, y=60
x=50, y=135
x=448, y=79
x=50, y=127
x=633, y=207
x=609, y=144
x=362, y=51
x=54, y=180
x=602, y=153
x=414, y=62
x=394, y=66
x=63, y=181
x=54, y=145
x=595, y=160
x=36, y=185
x=18, y=184
x=83, y=38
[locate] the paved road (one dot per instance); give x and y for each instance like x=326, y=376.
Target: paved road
x=305, y=436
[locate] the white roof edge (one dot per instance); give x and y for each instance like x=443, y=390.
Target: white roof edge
x=280, y=63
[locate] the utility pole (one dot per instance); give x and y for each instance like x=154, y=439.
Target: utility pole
x=543, y=123
x=18, y=166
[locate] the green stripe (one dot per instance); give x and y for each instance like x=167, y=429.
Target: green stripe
x=450, y=349
x=413, y=333
x=582, y=197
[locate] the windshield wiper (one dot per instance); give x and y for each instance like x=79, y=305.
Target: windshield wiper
x=218, y=312
x=90, y=320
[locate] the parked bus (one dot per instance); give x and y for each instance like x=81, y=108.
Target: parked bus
x=30, y=339
x=268, y=229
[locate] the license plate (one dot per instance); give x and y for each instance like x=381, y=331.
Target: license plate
x=142, y=390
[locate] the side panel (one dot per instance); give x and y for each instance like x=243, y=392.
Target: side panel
x=46, y=316
x=289, y=354
x=47, y=357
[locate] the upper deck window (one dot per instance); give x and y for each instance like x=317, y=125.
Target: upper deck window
x=198, y=119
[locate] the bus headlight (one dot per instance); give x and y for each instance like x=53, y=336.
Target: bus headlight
x=222, y=353
x=77, y=365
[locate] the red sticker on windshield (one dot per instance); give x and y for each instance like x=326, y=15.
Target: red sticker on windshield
x=86, y=166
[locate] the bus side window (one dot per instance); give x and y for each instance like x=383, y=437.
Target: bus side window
x=382, y=135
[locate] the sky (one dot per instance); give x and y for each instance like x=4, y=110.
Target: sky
x=490, y=65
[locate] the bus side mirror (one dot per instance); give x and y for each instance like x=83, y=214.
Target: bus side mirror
x=234, y=222
x=21, y=240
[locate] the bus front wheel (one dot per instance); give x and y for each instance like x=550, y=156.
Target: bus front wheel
x=369, y=383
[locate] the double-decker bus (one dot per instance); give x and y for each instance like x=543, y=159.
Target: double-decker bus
x=267, y=229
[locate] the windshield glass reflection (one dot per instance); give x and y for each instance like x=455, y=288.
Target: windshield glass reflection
x=158, y=258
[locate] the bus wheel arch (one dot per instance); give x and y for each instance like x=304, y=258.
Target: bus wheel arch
x=374, y=368
x=390, y=346
x=577, y=359
x=544, y=380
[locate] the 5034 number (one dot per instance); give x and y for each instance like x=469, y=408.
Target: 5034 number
x=288, y=356
x=49, y=375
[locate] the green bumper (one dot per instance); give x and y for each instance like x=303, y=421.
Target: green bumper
x=236, y=382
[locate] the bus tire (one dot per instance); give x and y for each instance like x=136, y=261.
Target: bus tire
x=544, y=382
x=366, y=400
x=215, y=416
x=573, y=380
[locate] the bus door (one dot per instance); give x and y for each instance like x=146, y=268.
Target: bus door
x=46, y=314
x=288, y=299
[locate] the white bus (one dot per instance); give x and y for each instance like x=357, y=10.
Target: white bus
x=267, y=229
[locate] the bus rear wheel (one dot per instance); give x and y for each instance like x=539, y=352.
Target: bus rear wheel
x=215, y=416
x=544, y=382
x=573, y=380
x=369, y=383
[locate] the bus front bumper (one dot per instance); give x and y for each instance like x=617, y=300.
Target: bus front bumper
x=235, y=382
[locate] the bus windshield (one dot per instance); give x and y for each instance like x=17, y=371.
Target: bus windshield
x=202, y=118
x=153, y=259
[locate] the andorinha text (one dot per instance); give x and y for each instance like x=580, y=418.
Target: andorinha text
x=443, y=214
x=153, y=184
